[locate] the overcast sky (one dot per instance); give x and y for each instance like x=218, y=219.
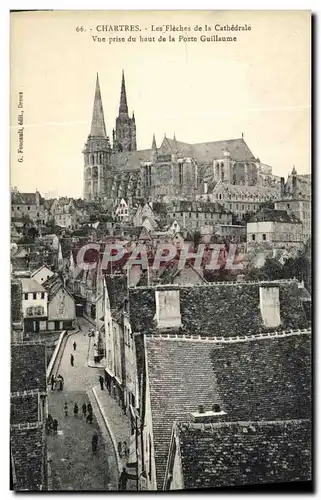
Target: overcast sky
x=210, y=91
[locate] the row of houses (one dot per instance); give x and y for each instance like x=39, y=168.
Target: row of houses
x=202, y=384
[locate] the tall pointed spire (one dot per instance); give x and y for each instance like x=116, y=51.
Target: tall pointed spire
x=154, y=145
x=123, y=108
x=98, y=128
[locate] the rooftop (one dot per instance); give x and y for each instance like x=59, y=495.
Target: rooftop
x=31, y=285
x=261, y=378
x=244, y=453
x=28, y=367
x=27, y=457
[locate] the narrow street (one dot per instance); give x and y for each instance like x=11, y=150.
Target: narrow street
x=73, y=465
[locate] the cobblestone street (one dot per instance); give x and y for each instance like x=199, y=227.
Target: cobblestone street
x=73, y=465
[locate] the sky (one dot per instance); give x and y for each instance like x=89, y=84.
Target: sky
x=201, y=91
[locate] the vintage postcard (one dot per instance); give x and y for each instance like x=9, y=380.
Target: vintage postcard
x=160, y=250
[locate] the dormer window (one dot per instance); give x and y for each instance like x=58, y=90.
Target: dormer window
x=270, y=306
x=168, y=313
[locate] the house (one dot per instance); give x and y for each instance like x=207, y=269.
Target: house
x=29, y=205
x=34, y=305
x=296, y=199
x=122, y=210
x=274, y=229
x=192, y=354
x=42, y=274
x=240, y=199
x=61, y=305
x=28, y=413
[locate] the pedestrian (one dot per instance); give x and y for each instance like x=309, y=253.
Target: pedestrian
x=84, y=409
x=76, y=409
x=55, y=426
x=66, y=409
x=94, y=443
x=72, y=359
x=101, y=381
x=74, y=345
x=89, y=418
x=125, y=449
x=52, y=381
x=50, y=420
x=120, y=449
x=123, y=478
x=89, y=408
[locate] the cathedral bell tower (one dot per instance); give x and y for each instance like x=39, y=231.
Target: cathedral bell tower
x=124, y=135
x=97, y=153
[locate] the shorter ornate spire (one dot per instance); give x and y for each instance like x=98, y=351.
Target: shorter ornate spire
x=123, y=108
x=154, y=145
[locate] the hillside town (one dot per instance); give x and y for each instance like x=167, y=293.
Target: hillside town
x=127, y=375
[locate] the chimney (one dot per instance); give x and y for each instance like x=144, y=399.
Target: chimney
x=208, y=416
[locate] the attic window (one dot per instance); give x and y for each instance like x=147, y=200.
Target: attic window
x=270, y=306
x=168, y=313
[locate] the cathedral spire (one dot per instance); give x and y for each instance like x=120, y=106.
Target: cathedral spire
x=123, y=108
x=98, y=128
x=154, y=145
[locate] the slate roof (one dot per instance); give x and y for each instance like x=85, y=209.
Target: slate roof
x=31, y=285
x=25, y=199
x=206, y=309
x=259, y=379
x=204, y=152
x=244, y=453
x=28, y=367
x=23, y=408
x=239, y=190
x=27, y=456
x=270, y=215
x=16, y=301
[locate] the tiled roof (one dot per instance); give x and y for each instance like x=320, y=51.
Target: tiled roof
x=206, y=309
x=206, y=151
x=31, y=285
x=28, y=367
x=270, y=215
x=117, y=289
x=244, y=453
x=195, y=206
x=24, y=199
x=23, y=408
x=238, y=190
x=27, y=453
x=252, y=379
x=181, y=377
x=16, y=301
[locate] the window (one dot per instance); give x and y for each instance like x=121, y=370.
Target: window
x=253, y=237
x=34, y=296
x=42, y=295
x=30, y=311
x=150, y=457
x=230, y=206
x=148, y=174
x=264, y=237
x=196, y=215
x=237, y=206
x=18, y=208
x=28, y=208
x=180, y=167
x=242, y=207
x=26, y=296
x=40, y=311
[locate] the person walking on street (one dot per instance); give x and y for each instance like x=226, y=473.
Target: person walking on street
x=66, y=409
x=76, y=409
x=52, y=381
x=89, y=418
x=101, y=381
x=89, y=408
x=72, y=359
x=120, y=449
x=84, y=409
x=55, y=426
x=125, y=449
x=123, y=478
x=74, y=345
x=94, y=443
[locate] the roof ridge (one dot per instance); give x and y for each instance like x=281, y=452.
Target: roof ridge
x=230, y=340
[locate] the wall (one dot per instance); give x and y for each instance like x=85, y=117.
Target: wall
x=34, y=303
x=62, y=306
